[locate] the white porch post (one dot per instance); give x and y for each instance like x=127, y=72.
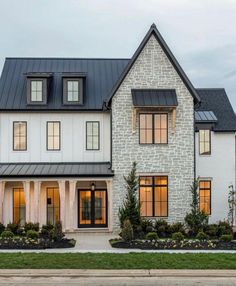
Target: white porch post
x=109, y=206
x=26, y=185
x=37, y=188
x=2, y=190
x=62, y=193
x=72, y=190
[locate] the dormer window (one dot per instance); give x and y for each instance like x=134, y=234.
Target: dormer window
x=37, y=88
x=73, y=90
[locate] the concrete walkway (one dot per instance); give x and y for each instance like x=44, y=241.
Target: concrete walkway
x=99, y=243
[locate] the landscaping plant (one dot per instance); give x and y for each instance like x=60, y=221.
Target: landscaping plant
x=127, y=233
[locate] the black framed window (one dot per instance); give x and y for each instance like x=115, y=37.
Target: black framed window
x=204, y=142
x=53, y=205
x=37, y=90
x=153, y=128
x=153, y=195
x=205, y=196
x=92, y=135
x=53, y=135
x=18, y=206
x=19, y=135
x=73, y=90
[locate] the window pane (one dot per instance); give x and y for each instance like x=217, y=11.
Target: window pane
x=160, y=128
x=92, y=135
x=53, y=205
x=18, y=206
x=142, y=121
x=149, y=121
x=146, y=201
x=163, y=121
x=56, y=130
x=19, y=136
x=36, y=90
x=53, y=135
x=205, y=196
x=145, y=181
x=204, y=142
x=142, y=136
x=149, y=136
x=73, y=90
x=157, y=121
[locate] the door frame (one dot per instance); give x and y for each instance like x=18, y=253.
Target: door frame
x=92, y=225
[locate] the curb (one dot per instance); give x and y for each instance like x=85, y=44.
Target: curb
x=115, y=273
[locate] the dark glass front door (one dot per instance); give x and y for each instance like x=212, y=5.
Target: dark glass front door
x=92, y=208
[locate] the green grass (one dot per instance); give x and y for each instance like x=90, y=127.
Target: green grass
x=117, y=261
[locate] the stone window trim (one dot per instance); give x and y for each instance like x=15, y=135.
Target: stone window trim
x=44, y=91
x=80, y=80
x=153, y=128
x=153, y=186
x=202, y=199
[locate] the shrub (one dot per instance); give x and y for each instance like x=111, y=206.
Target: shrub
x=162, y=228
x=151, y=236
x=178, y=236
x=13, y=227
x=196, y=220
x=226, y=237
x=146, y=224
x=127, y=231
x=202, y=236
x=2, y=228
x=56, y=233
x=177, y=227
x=45, y=230
x=224, y=228
x=31, y=226
x=7, y=234
x=32, y=234
x=211, y=230
x=131, y=207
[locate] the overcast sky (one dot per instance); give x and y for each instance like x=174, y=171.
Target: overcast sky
x=200, y=33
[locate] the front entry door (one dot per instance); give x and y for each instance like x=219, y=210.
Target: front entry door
x=92, y=208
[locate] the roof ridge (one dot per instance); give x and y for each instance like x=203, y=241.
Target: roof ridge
x=61, y=58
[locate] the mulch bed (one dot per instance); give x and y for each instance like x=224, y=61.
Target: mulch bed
x=163, y=244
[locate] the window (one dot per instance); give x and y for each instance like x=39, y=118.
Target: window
x=53, y=205
x=19, y=136
x=92, y=135
x=153, y=128
x=19, y=206
x=204, y=142
x=205, y=196
x=73, y=90
x=37, y=90
x=153, y=195
x=53, y=135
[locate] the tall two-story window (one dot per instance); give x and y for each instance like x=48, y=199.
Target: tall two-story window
x=18, y=206
x=73, y=90
x=205, y=196
x=19, y=136
x=153, y=128
x=53, y=135
x=204, y=142
x=92, y=135
x=53, y=205
x=153, y=195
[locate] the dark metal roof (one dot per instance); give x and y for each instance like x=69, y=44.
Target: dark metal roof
x=55, y=170
x=153, y=31
x=101, y=75
x=154, y=97
x=216, y=100
x=205, y=116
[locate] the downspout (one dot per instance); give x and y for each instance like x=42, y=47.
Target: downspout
x=108, y=108
x=194, y=134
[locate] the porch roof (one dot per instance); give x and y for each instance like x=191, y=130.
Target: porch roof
x=67, y=169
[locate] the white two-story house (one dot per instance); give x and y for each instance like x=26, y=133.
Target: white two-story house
x=70, y=129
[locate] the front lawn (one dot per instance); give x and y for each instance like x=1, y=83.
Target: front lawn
x=116, y=261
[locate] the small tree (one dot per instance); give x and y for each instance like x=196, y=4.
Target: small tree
x=130, y=209
x=196, y=219
x=232, y=205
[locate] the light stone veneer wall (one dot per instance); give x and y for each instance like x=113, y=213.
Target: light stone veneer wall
x=152, y=69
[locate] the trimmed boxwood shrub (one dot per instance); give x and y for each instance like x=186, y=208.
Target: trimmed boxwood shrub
x=13, y=227
x=211, y=230
x=7, y=234
x=32, y=234
x=178, y=236
x=31, y=226
x=226, y=237
x=46, y=230
x=202, y=236
x=151, y=236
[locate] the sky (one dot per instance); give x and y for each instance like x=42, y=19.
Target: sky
x=201, y=34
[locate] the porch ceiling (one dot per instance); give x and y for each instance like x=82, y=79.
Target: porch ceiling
x=68, y=169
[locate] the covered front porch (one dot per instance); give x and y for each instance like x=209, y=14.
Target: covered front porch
x=81, y=202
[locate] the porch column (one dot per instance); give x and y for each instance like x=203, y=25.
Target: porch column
x=2, y=190
x=37, y=188
x=62, y=193
x=110, y=206
x=26, y=185
x=72, y=190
